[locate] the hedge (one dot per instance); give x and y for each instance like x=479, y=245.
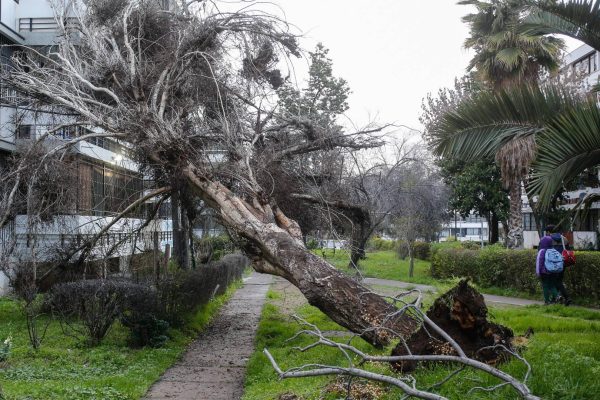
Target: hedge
x=515, y=269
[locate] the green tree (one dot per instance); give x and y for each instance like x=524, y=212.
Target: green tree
x=476, y=187
x=325, y=96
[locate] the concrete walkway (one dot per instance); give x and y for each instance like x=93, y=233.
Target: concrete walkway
x=489, y=298
x=214, y=365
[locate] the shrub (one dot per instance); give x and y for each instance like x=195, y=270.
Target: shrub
x=213, y=248
x=141, y=315
x=379, y=244
x=183, y=291
x=95, y=303
x=515, y=269
x=470, y=245
x=402, y=249
x=422, y=250
x=312, y=244
x=5, y=349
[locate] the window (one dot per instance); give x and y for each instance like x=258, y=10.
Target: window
x=473, y=231
x=587, y=64
x=25, y=132
x=106, y=191
x=529, y=222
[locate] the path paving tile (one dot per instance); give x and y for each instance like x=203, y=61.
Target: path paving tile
x=214, y=365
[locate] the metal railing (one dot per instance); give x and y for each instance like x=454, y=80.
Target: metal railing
x=45, y=24
x=7, y=233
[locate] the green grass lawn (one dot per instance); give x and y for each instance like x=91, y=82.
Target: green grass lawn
x=383, y=265
x=564, y=353
x=64, y=368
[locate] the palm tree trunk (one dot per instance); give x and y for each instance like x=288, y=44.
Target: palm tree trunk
x=515, y=218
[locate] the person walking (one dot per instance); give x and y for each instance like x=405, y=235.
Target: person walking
x=547, y=278
x=560, y=243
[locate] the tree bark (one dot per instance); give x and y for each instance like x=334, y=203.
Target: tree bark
x=275, y=244
x=515, y=218
x=360, y=237
x=493, y=235
x=411, y=266
x=181, y=240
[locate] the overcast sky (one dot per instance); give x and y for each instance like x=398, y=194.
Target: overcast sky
x=391, y=52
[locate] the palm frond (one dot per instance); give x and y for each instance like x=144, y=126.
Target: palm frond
x=579, y=19
x=481, y=125
x=569, y=145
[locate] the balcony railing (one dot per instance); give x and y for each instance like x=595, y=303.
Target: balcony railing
x=28, y=132
x=44, y=24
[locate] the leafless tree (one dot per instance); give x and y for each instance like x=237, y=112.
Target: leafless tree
x=367, y=192
x=422, y=204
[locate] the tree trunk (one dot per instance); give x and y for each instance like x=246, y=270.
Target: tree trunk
x=411, y=266
x=181, y=239
x=515, y=218
x=359, y=242
x=274, y=243
x=493, y=235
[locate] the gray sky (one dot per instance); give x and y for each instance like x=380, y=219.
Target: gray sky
x=391, y=52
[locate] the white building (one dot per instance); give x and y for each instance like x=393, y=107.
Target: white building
x=107, y=180
x=582, y=66
x=472, y=228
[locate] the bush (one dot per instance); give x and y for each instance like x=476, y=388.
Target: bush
x=213, y=248
x=141, y=315
x=183, y=291
x=379, y=244
x=422, y=250
x=5, y=349
x=402, y=249
x=515, y=269
x=312, y=244
x=470, y=245
x=95, y=303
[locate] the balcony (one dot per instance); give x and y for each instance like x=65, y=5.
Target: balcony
x=45, y=24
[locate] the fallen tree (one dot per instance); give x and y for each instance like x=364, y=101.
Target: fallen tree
x=186, y=89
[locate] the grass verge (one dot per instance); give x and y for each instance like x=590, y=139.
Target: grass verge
x=64, y=368
x=564, y=353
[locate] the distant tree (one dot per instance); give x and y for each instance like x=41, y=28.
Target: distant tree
x=421, y=206
x=476, y=187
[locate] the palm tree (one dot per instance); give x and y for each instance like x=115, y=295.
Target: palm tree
x=509, y=124
x=505, y=57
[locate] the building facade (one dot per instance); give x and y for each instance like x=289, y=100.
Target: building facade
x=104, y=179
x=580, y=68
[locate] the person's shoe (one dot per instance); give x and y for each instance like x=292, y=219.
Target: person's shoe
x=567, y=302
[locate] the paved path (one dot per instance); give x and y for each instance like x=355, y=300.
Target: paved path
x=489, y=298
x=214, y=366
